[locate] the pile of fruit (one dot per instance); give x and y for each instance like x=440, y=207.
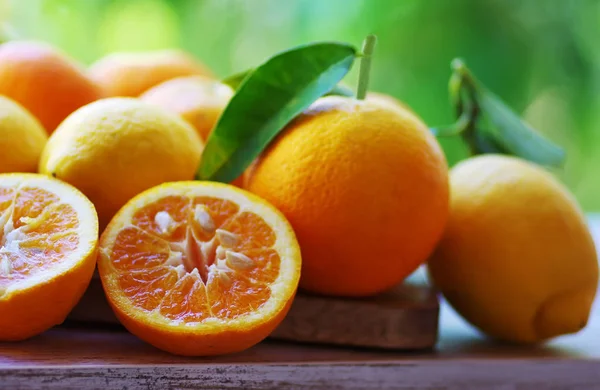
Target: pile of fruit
x=99, y=169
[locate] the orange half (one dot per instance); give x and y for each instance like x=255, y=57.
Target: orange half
x=48, y=242
x=199, y=268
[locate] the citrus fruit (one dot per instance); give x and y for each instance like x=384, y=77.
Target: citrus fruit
x=199, y=100
x=131, y=74
x=115, y=148
x=44, y=80
x=391, y=102
x=516, y=259
x=365, y=188
x=199, y=268
x=48, y=243
x=22, y=138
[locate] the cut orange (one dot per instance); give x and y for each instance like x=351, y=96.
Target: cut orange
x=48, y=242
x=199, y=268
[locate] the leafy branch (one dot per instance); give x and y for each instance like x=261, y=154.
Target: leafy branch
x=488, y=125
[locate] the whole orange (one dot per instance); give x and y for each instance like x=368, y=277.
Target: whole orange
x=365, y=187
x=44, y=81
x=199, y=100
x=131, y=74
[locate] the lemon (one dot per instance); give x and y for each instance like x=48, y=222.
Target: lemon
x=115, y=148
x=517, y=259
x=22, y=138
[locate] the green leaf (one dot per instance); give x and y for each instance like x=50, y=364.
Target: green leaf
x=503, y=132
x=267, y=100
x=513, y=135
x=485, y=143
x=340, y=90
x=235, y=80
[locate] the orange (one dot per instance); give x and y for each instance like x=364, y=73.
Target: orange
x=48, y=243
x=365, y=187
x=517, y=259
x=115, y=148
x=199, y=100
x=44, y=80
x=22, y=138
x=199, y=268
x=131, y=74
x=390, y=101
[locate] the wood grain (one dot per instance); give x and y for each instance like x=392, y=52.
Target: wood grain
x=404, y=318
x=427, y=375
x=463, y=359
x=94, y=359
x=99, y=359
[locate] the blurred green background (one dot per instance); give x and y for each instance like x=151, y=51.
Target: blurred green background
x=542, y=57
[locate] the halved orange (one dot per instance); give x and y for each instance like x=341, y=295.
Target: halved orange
x=199, y=268
x=48, y=244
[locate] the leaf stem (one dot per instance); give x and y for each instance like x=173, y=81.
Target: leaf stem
x=365, y=66
x=464, y=98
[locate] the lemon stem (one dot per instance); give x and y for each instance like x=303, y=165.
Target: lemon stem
x=365, y=66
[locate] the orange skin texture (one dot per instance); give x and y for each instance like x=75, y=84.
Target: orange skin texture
x=389, y=100
x=44, y=81
x=365, y=187
x=45, y=305
x=517, y=259
x=131, y=74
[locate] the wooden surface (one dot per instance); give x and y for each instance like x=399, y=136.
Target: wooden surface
x=462, y=359
x=404, y=318
x=76, y=359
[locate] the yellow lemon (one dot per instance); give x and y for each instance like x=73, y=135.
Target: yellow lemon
x=115, y=148
x=517, y=259
x=22, y=138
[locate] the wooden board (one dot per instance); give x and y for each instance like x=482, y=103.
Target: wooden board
x=73, y=358
x=463, y=359
x=403, y=318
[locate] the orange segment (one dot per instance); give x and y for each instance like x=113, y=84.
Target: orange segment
x=31, y=202
x=175, y=212
x=48, y=241
x=220, y=210
x=6, y=198
x=187, y=301
x=135, y=249
x=265, y=264
x=40, y=253
x=146, y=289
x=235, y=296
x=185, y=265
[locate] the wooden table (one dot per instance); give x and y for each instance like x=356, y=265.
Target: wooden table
x=463, y=359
